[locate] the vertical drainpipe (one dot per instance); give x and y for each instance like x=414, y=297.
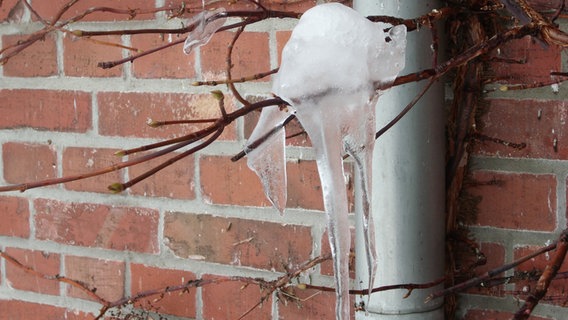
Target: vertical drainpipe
x=408, y=183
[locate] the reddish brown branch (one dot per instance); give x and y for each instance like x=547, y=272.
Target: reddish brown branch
x=77, y=284
x=489, y=274
x=543, y=282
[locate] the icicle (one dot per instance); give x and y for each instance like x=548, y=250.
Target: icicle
x=268, y=159
x=330, y=67
x=205, y=28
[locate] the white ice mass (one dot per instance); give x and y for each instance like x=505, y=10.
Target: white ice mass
x=331, y=67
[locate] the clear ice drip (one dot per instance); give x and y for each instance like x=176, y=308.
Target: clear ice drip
x=268, y=160
x=206, y=24
x=330, y=66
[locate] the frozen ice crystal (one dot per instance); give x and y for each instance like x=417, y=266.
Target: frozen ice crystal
x=206, y=24
x=331, y=66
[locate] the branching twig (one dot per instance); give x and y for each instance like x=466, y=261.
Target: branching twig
x=77, y=284
x=548, y=274
x=489, y=274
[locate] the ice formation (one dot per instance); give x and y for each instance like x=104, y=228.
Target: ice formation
x=206, y=24
x=330, y=68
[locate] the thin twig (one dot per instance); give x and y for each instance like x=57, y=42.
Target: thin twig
x=77, y=284
x=543, y=283
x=489, y=274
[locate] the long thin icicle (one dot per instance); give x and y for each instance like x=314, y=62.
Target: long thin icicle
x=329, y=68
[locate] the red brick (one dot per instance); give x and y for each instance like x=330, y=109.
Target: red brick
x=126, y=114
x=308, y=305
x=28, y=162
x=223, y=181
x=518, y=121
x=11, y=11
x=250, y=55
x=515, y=201
x=48, y=9
x=37, y=60
x=231, y=183
x=43, y=262
x=168, y=63
x=46, y=110
x=81, y=56
x=106, y=276
x=327, y=266
x=282, y=5
x=175, y=181
x=93, y=225
x=540, y=61
x=494, y=315
x=237, y=241
x=14, y=309
x=304, y=186
x=16, y=211
x=86, y=160
x=282, y=38
x=230, y=300
x=495, y=257
x=556, y=293
x=179, y=303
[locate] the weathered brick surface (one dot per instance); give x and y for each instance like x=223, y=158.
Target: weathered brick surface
x=556, y=293
x=15, y=210
x=515, y=201
x=106, y=276
x=37, y=60
x=537, y=123
x=282, y=38
x=14, y=309
x=508, y=200
x=28, y=162
x=238, y=242
x=283, y=5
x=49, y=9
x=227, y=182
x=309, y=305
x=11, y=11
x=250, y=55
x=179, y=303
x=77, y=161
x=93, y=225
x=175, y=181
x=169, y=63
x=46, y=110
x=43, y=262
x=537, y=61
x=494, y=257
x=230, y=300
x=494, y=315
x=81, y=56
x=127, y=114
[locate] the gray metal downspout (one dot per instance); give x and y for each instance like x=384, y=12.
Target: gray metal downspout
x=408, y=184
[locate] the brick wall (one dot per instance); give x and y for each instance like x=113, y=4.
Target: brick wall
x=519, y=194
x=206, y=217
x=203, y=217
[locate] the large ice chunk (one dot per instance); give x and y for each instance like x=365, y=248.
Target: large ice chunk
x=331, y=66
